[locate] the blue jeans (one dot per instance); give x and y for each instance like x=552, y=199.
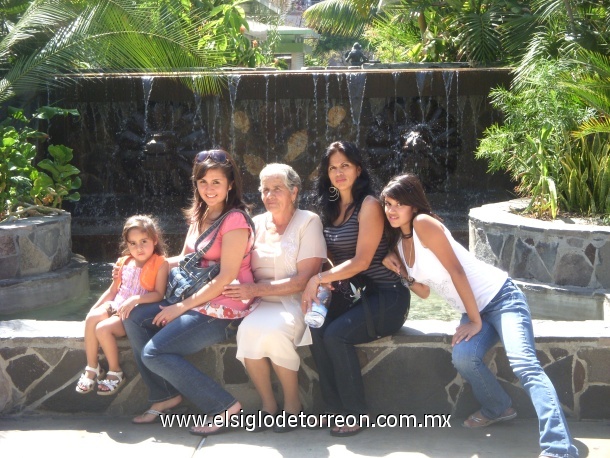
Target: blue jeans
x=334, y=352
x=159, y=354
x=507, y=318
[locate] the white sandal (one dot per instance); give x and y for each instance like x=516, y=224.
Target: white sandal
x=111, y=385
x=85, y=384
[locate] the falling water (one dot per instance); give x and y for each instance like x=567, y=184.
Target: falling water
x=395, y=76
x=267, y=111
x=327, y=104
x=356, y=83
x=147, y=84
x=315, y=100
x=233, y=83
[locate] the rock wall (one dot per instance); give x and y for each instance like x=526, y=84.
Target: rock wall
x=562, y=265
x=409, y=373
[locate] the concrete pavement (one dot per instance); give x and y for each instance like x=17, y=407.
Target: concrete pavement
x=67, y=436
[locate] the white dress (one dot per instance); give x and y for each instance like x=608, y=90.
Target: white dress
x=276, y=327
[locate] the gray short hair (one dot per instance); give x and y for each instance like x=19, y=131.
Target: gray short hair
x=288, y=175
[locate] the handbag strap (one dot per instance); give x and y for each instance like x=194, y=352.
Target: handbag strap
x=216, y=226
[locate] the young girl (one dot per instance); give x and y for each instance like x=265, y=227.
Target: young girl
x=142, y=279
x=493, y=309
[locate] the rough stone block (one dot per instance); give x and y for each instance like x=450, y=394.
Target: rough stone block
x=560, y=373
x=594, y=402
x=573, y=269
x=7, y=246
x=414, y=379
x=598, y=366
x=234, y=371
x=25, y=370
x=8, y=353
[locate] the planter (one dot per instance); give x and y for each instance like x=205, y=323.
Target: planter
x=37, y=266
x=562, y=266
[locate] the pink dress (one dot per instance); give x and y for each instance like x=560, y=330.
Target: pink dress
x=222, y=306
x=130, y=286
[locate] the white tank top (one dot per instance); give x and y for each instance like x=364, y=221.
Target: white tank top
x=485, y=280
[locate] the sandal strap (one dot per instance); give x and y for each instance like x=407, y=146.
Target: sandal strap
x=118, y=375
x=96, y=370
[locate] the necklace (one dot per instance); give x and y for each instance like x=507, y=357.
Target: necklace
x=407, y=282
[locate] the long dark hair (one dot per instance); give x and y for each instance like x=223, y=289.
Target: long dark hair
x=221, y=160
x=407, y=190
x=363, y=186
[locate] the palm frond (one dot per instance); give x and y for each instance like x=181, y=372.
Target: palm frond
x=112, y=35
x=343, y=18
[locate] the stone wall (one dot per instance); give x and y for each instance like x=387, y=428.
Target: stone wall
x=563, y=266
x=410, y=372
x=37, y=266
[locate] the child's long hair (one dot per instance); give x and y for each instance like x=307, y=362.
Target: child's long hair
x=145, y=223
x=363, y=186
x=221, y=160
x=407, y=190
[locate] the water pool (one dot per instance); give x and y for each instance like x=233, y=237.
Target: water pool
x=433, y=308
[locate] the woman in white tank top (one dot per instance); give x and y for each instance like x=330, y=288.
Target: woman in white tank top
x=427, y=257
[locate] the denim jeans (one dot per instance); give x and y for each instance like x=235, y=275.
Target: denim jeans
x=507, y=318
x=334, y=352
x=159, y=354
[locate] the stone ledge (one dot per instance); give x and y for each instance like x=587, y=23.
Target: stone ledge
x=57, y=286
x=40, y=362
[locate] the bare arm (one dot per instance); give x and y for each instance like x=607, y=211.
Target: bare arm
x=432, y=236
x=150, y=296
x=306, y=268
x=393, y=262
x=234, y=245
x=370, y=231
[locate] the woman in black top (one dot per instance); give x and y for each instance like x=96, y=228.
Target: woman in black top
x=353, y=228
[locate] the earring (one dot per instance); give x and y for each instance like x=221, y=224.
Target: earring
x=227, y=198
x=333, y=194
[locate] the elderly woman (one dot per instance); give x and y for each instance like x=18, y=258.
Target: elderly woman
x=288, y=250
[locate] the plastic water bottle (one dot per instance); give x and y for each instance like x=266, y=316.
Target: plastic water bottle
x=315, y=317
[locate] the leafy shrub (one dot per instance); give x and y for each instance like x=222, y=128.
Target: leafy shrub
x=25, y=188
x=586, y=167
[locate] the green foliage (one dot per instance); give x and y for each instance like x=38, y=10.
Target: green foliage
x=25, y=187
x=65, y=36
x=531, y=141
x=586, y=167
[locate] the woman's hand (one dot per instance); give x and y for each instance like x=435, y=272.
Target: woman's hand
x=242, y=291
x=465, y=332
x=167, y=314
x=310, y=294
x=126, y=308
x=392, y=262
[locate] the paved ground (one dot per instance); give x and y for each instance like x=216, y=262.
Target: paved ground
x=114, y=437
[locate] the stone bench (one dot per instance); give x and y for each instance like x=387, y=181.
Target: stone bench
x=410, y=372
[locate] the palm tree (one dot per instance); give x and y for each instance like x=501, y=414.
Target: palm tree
x=63, y=36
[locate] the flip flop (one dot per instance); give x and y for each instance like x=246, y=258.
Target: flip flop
x=338, y=433
x=157, y=415
x=478, y=420
x=221, y=430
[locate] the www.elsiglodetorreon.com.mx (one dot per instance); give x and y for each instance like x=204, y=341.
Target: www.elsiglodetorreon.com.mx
x=251, y=421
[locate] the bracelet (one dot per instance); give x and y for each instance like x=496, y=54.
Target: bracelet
x=320, y=278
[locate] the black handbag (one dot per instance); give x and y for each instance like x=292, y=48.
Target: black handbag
x=189, y=277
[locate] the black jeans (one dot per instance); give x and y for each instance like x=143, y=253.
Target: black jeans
x=334, y=352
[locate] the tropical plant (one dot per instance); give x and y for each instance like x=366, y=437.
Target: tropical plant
x=586, y=167
x=535, y=132
x=62, y=36
x=559, y=97
x=478, y=31
x=26, y=188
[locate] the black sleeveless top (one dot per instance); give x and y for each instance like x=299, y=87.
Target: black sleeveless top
x=341, y=242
